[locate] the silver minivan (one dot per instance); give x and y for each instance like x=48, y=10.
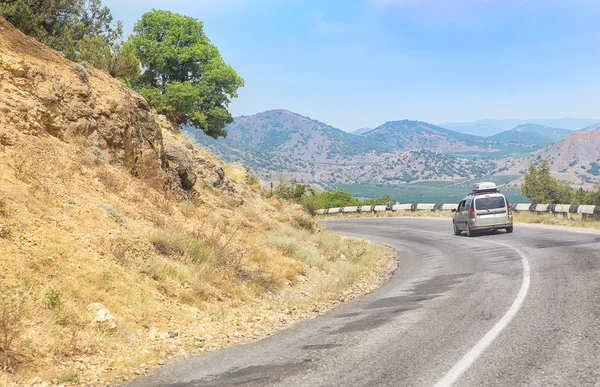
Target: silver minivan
x=483, y=209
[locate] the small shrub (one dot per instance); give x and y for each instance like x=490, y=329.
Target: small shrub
x=99, y=153
x=89, y=67
x=233, y=202
x=82, y=72
x=250, y=178
x=6, y=231
x=72, y=201
x=73, y=378
x=53, y=300
x=3, y=207
x=174, y=243
x=10, y=331
x=209, y=185
x=304, y=222
x=111, y=182
x=112, y=211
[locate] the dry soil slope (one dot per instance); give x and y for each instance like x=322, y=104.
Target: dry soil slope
x=102, y=201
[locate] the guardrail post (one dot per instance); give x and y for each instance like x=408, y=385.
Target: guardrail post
x=565, y=215
x=584, y=216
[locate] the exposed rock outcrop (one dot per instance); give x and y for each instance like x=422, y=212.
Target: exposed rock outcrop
x=190, y=165
x=41, y=93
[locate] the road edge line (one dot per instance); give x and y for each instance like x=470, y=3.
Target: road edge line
x=470, y=357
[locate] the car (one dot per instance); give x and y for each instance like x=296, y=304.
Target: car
x=483, y=209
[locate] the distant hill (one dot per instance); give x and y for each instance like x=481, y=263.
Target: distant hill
x=279, y=142
x=406, y=135
x=360, y=131
x=490, y=127
x=592, y=128
x=574, y=159
x=475, y=128
x=532, y=134
x=292, y=135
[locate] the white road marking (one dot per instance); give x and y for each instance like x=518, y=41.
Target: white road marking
x=469, y=358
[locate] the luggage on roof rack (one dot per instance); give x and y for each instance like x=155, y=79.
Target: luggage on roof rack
x=485, y=187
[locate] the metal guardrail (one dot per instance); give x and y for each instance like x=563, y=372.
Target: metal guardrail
x=564, y=209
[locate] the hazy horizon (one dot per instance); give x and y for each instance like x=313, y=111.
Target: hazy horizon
x=503, y=123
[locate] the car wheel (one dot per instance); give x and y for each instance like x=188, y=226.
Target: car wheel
x=456, y=230
x=509, y=229
x=469, y=232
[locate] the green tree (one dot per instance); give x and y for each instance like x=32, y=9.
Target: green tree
x=83, y=30
x=292, y=190
x=183, y=74
x=339, y=198
x=541, y=187
x=382, y=200
x=115, y=57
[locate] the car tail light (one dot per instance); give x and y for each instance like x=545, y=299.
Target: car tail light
x=472, y=215
x=509, y=210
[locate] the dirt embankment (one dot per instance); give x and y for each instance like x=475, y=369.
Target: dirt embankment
x=123, y=246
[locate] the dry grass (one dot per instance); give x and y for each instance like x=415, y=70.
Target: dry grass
x=574, y=220
x=75, y=229
x=11, y=316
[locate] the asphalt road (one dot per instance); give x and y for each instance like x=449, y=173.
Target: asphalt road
x=497, y=309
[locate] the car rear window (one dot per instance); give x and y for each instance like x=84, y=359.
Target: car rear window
x=489, y=203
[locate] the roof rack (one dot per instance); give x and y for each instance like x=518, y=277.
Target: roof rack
x=485, y=187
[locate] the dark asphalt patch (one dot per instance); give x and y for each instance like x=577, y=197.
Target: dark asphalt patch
x=347, y=315
x=406, y=302
x=422, y=291
x=582, y=242
x=249, y=376
x=365, y=324
x=320, y=346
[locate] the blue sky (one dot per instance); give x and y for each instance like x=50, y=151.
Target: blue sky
x=359, y=63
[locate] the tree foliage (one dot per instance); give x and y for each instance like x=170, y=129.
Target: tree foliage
x=312, y=200
x=83, y=30
x=184, y=76
x=339, y=198
x=541, y=187
x=116, y=58
x=378, y=201
x=292, y=190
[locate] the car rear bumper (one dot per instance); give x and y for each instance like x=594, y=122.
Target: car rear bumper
x=484, y=227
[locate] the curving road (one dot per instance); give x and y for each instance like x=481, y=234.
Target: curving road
x=497, y=309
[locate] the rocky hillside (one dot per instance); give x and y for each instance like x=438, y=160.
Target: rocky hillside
x=122, y=245
x=532, y=134
x=405, y=135
x=574, y=159
x=43, y=93
x=289, y=134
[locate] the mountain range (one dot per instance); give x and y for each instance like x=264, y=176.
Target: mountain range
x=488, y=128
x=282, y=143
